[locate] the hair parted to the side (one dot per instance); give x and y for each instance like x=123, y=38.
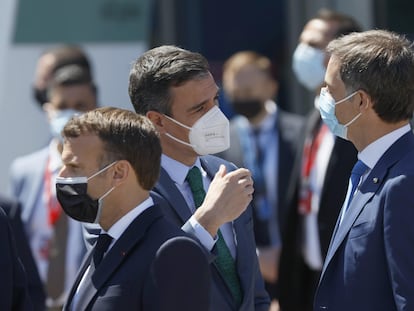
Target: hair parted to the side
x=156, y=71
x=381, y=63
x=125, y=136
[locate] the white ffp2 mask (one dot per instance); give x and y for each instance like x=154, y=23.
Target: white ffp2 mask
x=210, y=134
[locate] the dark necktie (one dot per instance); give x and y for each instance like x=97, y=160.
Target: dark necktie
x=104, y=240
x=358, y=170
x=224, y=261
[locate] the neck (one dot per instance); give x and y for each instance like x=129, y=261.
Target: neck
x=121, y=204
x=375, y=132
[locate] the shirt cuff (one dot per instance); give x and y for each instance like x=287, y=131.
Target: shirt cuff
x=202, y=234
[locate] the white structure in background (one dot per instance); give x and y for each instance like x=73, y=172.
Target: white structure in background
x=23, y=127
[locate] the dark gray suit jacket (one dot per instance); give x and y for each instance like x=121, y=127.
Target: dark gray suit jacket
x=177, y=211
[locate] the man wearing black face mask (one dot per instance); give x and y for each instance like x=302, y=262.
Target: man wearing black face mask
x=263, y=139
x=111, y=159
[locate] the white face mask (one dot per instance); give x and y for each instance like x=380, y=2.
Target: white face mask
x=327, y=110
x=308, y=66
x=58, y=120
x=210, y=134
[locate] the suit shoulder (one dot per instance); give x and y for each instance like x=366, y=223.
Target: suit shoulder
x=26, y=161
x=213, y=163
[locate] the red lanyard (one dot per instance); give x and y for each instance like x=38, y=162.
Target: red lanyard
x=310, y=151
x=53, y=207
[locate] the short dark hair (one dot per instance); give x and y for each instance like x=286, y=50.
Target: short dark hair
x=70, y=75
x=125, y=136
x=69, y=54
x=242, y=59
x=64, y=55
x=346, y=24
x=381, y=63
x=157, y=70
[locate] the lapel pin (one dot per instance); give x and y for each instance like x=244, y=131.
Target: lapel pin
x=375, y=180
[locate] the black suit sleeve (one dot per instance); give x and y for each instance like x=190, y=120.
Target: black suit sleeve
x=13, y=286
x=34, y=283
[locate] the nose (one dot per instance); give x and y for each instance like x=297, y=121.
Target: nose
x=63, y=172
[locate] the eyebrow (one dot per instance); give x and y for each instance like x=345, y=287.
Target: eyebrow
x=204, y=102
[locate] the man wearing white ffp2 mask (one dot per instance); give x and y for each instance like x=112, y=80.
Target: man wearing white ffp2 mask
x=206, y=196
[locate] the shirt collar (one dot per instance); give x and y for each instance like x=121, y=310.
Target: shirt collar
x=177, y=170
x=118, y=228
x=374, y=151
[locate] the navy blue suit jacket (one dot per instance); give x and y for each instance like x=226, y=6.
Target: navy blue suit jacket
x=369, y=265
x=34, y=284
x=153, y=266
x=178, y=212
x=13, y=284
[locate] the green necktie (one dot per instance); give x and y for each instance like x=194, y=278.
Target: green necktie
x=224, y=261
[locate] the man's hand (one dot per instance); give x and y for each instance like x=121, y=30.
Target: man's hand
x=227, y=198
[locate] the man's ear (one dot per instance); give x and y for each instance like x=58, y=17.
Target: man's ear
x=122, y=169
x=366, y=101
x=157, y=119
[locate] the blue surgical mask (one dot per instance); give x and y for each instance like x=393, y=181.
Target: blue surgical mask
x=58, y=120
x=327, y=110
x=308, y=66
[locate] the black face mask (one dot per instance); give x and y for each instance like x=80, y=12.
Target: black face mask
x=40, y=96
x=76, y=203
x=248, y=108
x=72, y=195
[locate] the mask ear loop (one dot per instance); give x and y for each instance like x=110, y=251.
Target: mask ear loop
x=101, y=170
x=175, y=138
x=100, y=204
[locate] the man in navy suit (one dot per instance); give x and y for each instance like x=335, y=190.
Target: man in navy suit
x=13, y=285
x=175, y=89
x=34, y=284
x=369, y=99
x=111, y=160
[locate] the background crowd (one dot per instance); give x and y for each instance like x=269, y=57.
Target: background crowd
x=267, y=204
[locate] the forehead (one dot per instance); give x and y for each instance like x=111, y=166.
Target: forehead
x=247, y=75
x=193, y=92
x=72, y=95
x=333, y=78
x=318, y=33
x=85, y=150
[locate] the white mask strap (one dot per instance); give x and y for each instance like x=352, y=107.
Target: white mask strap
x=353, y=120
x=102, y=170
x=100, y=204
x=346, y=98
x=178, y=140
x=177, y=122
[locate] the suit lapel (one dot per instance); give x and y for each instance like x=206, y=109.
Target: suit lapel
x=123, y=246
x=81, y=272
x=370, y=186
x=167, y=189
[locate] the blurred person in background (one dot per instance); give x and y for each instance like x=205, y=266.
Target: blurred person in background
x=56, y=241
x=321, y=171
x=53, y=59
x=263, y=139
